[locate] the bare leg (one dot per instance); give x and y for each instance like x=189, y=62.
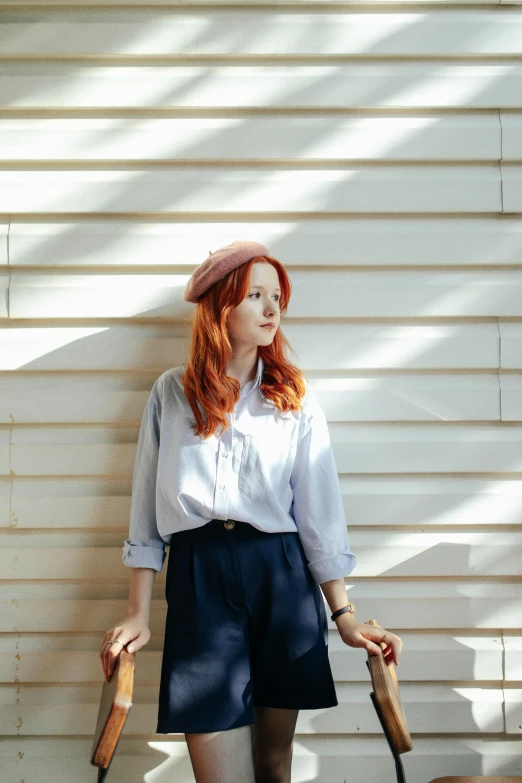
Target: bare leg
x=222, y=756
x=273, y=744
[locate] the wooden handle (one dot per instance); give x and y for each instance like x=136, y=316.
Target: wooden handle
x=387, y=694
x=115, y=703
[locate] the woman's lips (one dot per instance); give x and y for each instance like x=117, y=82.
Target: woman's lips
x=268, y=326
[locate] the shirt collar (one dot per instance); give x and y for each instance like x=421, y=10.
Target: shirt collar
x=257, y=380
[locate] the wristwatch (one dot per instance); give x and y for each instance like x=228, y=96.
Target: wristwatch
x=349, y=608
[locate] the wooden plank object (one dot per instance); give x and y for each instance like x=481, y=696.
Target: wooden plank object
x=115, y=703
x=388, y=701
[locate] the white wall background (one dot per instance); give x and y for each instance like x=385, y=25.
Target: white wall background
x=376, y=150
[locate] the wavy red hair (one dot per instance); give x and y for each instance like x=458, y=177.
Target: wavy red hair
x=210, y=391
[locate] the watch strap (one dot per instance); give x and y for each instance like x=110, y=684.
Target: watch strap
x=349, y=608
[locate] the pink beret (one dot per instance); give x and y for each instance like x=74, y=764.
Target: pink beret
x=219, y=264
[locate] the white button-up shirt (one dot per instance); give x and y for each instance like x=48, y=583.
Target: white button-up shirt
x=273, y=470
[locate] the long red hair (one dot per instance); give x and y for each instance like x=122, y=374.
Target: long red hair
x=211, y=393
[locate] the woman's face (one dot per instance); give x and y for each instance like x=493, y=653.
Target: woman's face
x=260, y=305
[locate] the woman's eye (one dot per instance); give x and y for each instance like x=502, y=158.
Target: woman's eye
x=256, y=293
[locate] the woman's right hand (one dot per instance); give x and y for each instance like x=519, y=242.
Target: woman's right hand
x=132, y=629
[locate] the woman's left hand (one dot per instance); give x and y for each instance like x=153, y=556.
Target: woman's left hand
x=357, y=634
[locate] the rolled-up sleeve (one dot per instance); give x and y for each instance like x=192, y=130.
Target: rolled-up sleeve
x=144, y=547
x=317, y=503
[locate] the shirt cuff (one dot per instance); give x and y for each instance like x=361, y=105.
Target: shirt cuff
x=333, y=567
x=142, y=556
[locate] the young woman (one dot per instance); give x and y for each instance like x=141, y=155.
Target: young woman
x=235, y=470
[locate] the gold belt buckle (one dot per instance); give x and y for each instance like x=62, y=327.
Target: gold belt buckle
x=230, y=524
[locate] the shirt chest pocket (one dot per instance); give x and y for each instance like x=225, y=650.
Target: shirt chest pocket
x=191, y=462
x=266, y=462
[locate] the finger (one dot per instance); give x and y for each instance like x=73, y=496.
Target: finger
x=376, y=634
x=372, y=648
x=389, y=656
x=104, y=642
x=389, y=639
x=103, y=654
x=103, y=651
x=115, y=650
x=111, y=650
x=112, y=658
x=136, y=643
x=105, y=660
x=392, y=653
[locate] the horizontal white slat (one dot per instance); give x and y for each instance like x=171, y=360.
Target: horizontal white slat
x=67, y=458
x=55, y=659
x=511, y=342
x=379, y=553
x=511, y=187
x=419, y=449
x=359, y=240
x=4, y=284
x=321, y=759
x=337, y=294
x=513, y=655
x=434, y=708
x=58, y=504
x=411, y=188
x=319, y=346
x=511, y=135
x=81, y=399
x=432, y=554
x=418, y=605
x=96, y=347
x=358, y=449
x=377, y=398
x=513, y=700
x=395, y=84
x=446, y=137
x=104, y=504
x=414, y=398
x=5, y=459
x=154, y=32
x=4, y=258
x=5, y=492
x=511, y=389
x=430, y=501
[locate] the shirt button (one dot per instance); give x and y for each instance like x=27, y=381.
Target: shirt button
x=225, y=453
x=221, y=486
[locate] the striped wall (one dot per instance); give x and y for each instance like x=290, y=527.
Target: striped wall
x=376, y=149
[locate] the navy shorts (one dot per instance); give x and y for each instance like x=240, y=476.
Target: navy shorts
x=246, y=626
